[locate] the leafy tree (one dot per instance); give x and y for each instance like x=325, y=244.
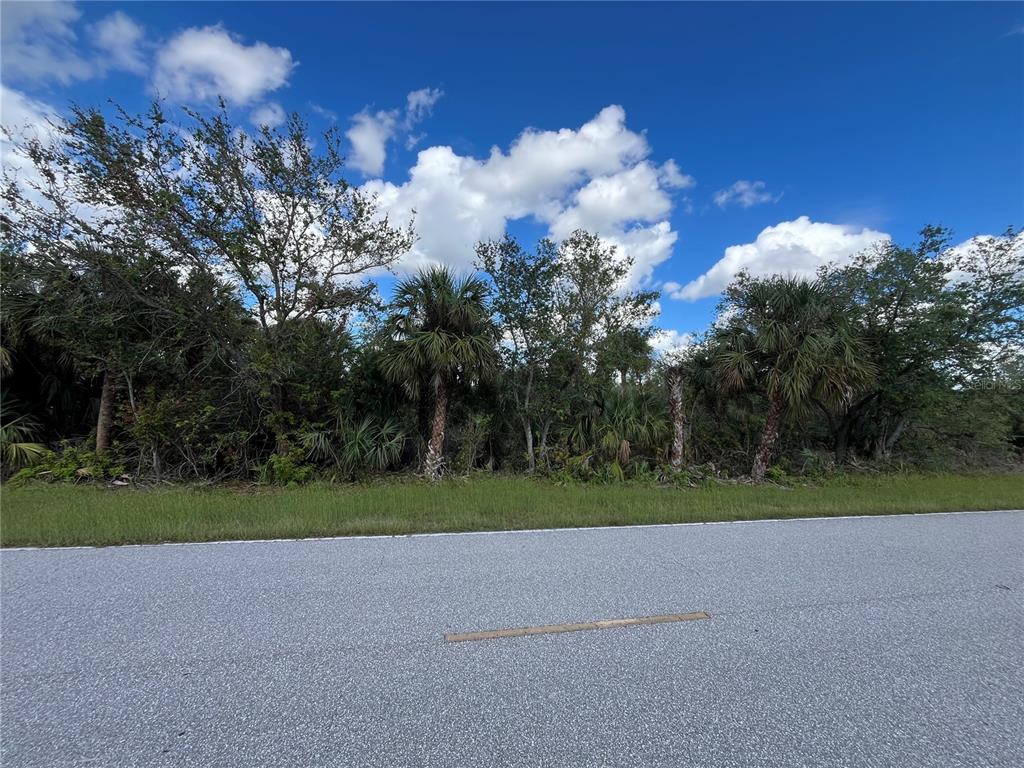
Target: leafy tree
x=117, y=315
x=269, y=214
x=523, y=302
x=932, y=318
x=599, y=323
x=442, y=336
x=787, y=338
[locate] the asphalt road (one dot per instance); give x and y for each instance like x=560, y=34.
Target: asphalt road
x=894, y=641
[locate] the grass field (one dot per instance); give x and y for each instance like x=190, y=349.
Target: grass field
x=60, y=515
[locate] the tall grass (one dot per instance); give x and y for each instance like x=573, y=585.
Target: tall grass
x=60, y=515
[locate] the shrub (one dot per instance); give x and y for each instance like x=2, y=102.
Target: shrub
x=286, y=469
x=72, y=463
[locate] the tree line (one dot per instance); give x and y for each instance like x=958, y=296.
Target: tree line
x=194, y=301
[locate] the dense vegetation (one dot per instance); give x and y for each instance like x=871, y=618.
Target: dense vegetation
x=194, y=302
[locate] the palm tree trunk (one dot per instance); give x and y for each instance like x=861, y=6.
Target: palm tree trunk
x=843, y=441
x=675, y=408
x=105, y=419
x=435, y=447
x=769, y=437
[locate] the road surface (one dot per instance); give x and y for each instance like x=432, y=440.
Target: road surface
x=895, y=641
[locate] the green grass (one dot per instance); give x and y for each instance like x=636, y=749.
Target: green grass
x=60, y=515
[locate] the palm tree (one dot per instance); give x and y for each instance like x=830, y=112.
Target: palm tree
x=441, y=334
x=786, y=338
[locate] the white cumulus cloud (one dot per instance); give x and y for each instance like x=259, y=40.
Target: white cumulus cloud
x=796, y=248
x=202, y=64
x=745, y=194
x=675, y=178
x=370, y=134
x=372, y=131
x=596, y=177
x=120, y=38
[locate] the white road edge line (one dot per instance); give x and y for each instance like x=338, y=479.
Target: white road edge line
x=520, y=530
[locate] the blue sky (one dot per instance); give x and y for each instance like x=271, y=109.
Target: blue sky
x=700, y=138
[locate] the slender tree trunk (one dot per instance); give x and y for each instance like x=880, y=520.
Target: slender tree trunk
x=885, y=442
x=896, y=434
x=527, y=424
x=528, y=434
x=435, y=447
x=281, y=444
x=544, y=441
x=675, y=408
x=769, y=437
x=105, y=420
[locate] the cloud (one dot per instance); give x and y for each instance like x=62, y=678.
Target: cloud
x=791, y=248
x=323, y=111
x=745, y=194
x=597, y=177
x=270, y=114
x=420, y=104
x=201, y=64
x=37, y=43
x=633, y=194
x=672, y=177
x=371, y=131
x=669, y=342
x=369, y=134
x=24, y=116
x=120, y=38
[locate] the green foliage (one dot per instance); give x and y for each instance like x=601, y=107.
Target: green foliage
x=789, y=338
x=812, y=464
x=72, y=464
x=472, y=438
x=19, y=431
x=286, y=469
x=355, y=448
x=442, y=331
